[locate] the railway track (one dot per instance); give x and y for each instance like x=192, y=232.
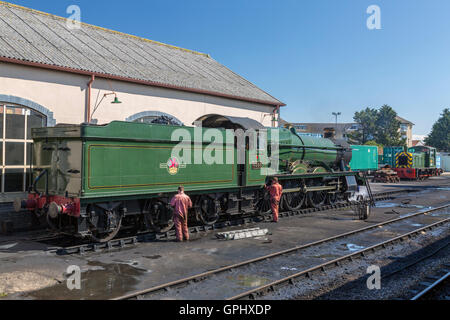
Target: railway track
x=291, y=279
x=124, y=242
x=432, y=283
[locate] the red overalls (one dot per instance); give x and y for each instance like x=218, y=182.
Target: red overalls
x=275, y=190
x=181, y=202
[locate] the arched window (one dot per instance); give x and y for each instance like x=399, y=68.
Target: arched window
x=16, y=122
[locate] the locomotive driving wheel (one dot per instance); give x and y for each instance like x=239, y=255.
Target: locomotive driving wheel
x=294, y=200
x=160, y=218
x=207, y=211
x=317, y=198
x=263, y=205
x=104, y=224
x=333, y=198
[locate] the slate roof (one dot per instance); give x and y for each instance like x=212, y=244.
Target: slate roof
x=33, y=36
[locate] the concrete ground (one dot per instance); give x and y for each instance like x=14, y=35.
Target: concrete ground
x=28, y=271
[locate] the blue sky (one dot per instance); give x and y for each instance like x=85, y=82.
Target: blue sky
x=317, y=56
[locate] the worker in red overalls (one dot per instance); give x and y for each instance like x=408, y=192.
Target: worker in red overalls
x=276, y=190
x=181, y=202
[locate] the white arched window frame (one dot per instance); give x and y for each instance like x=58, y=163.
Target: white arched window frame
x=17, y=117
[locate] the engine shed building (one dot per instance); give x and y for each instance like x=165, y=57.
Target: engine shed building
x=53, y=71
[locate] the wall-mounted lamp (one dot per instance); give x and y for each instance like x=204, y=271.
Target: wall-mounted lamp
x=115, y=101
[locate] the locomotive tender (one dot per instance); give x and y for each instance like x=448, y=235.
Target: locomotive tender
x=92, y=181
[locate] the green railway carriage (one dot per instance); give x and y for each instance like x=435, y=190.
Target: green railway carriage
x=93, y=180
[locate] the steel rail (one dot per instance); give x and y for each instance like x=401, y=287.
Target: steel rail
x=412, y=264
x=207, y=274
x=252, y=294
x=427, y=290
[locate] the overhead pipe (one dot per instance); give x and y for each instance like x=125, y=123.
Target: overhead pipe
x=274, y=117
x=88, y=106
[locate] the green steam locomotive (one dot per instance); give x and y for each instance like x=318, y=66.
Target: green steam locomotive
x=92, y=181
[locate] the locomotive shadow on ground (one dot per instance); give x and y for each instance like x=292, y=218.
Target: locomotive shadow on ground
x=29, y=222
x=344, y=214
x=341, y=216
x=352, y=290
x=20, y=246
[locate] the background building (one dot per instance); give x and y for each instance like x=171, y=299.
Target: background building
x=342, y=130
x=52, y=72
x=418, y=140
x=406, y=131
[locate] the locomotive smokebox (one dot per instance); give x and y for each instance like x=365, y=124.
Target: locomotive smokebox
x=344, y=155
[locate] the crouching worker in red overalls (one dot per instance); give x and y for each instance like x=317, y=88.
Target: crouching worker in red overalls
x=275, y=190
x=181, y=202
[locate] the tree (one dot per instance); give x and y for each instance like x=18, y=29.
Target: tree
x=388, y=128
x=373, y=143
x=379, y=126
x=440, y=134
x=366, y=119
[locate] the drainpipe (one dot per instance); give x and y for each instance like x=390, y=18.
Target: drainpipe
x=274, y=117
x=88, y=106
